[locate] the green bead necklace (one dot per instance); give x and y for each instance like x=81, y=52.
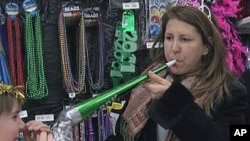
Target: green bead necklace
x=36, y=85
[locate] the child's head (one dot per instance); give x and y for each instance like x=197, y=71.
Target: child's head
x=10, y=105
x=8, y=96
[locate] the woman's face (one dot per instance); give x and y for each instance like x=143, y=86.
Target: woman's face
x=183, y=43
x=11, y=124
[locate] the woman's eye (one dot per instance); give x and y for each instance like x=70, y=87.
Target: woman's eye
x=186, y=39
x=168, y=37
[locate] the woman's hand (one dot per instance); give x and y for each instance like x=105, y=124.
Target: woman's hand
x=37, y=131
x=156, y=85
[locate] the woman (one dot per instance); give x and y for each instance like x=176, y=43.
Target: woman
x=11, y=125
x=196, y=99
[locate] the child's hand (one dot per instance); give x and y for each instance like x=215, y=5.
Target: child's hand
x=37, y=131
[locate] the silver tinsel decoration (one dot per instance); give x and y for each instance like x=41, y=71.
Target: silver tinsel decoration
x=63, y=127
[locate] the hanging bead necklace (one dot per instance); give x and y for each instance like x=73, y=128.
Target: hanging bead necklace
x=36, y=85
x=90, y=134
x=99, y=73
x=108, y=124
x=72, y=85
x=15, y=51
x=101, y=126
x=104, y=124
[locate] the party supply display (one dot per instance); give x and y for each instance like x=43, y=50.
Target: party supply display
x=125, y=45
x=156, y=10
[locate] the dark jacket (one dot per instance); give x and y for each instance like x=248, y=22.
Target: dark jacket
x=245, y=79
x=176, y=110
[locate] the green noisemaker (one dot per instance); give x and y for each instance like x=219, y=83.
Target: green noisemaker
x=63, y=127
x=86, y=108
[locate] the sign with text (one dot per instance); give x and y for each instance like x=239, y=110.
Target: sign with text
x=239, y=132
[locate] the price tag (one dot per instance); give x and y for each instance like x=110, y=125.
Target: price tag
x=72, y=95
x=44, y=118
x=117, y=106
x=23, y=114
x=150, y=45
x=130, y=5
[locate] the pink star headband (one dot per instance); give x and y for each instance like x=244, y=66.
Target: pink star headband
x=198, y=4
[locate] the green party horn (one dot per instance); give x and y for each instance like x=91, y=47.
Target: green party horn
x=85, y=108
